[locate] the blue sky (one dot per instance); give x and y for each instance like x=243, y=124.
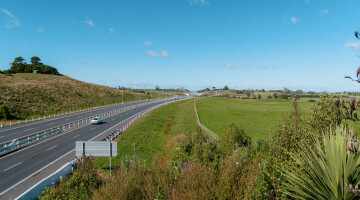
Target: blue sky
x=270, y=44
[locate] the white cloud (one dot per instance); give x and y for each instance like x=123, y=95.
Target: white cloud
x=307, y=1
x=153, y=53
x=111, y=30
x=40, y=29
x=12, y=21
x=354, y=45
x=324, y=12
x=89, y=22
x=199, y=2
x=227, y=65
x=147, y=43
x=294, y=20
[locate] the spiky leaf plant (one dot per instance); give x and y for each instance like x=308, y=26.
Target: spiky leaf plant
x=324, y=171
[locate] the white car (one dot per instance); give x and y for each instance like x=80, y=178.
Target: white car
x=96, y=120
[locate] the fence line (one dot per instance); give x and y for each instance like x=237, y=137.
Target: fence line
x=212, y=134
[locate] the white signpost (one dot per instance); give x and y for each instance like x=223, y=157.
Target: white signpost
x=95, y=148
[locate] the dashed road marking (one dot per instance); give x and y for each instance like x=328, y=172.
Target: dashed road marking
x=12, y=166
x=51, y=148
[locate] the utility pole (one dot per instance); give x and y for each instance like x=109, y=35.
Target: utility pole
x=122, y=95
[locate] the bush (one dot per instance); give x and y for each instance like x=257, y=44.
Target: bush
x=269, y=97
x=325, y=116
x=284, y=96
x=328, y=171
x=80, y=185
x=233, y=138
x=4, y=112
x=259, y=96
x=312, y=100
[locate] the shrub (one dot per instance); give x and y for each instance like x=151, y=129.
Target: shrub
x=233, y=138
x=312, y=100
x=324, y=172
x=80, y=185
x=4, y=112
x=325, y=115
x=269, y=97
x=284, y=96
x=259, y=96
x=289, y=134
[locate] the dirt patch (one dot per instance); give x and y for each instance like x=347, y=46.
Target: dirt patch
x=168, y=123
x=173, y=143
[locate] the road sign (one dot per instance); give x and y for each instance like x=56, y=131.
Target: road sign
x=95, y=148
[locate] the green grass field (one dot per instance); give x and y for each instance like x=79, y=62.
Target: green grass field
x=158, y=132
x=258, y=117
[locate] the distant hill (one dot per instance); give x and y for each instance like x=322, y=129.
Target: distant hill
x=38, y=94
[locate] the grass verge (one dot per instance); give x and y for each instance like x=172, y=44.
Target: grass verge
x=159, y=132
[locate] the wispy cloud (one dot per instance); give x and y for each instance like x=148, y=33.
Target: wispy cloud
x=111, y=30
x=324, y=12
x=89, y=22
x=199, y=2
x=153, y=53
x=11, y=20
x=40, y=30
x=307, y=1
x=147, y=43
x=294, y=20
x=228, y=65
x=354, y=45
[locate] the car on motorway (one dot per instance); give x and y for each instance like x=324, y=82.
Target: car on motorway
x=96, y=120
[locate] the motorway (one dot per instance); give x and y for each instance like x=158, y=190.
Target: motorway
x=12, y=132
x=22, y=164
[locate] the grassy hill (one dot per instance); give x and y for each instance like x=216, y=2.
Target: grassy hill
x=39, y=94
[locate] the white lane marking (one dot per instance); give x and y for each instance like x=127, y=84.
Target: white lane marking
x=12, y=166
x=51, y=148
x=29, y=129
x=114, y=119
x=56, y=159
x=76, y=136
x=92, y=129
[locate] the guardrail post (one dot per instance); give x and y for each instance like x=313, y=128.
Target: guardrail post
x=10, y=122
x=18, y=121
x=1, y=125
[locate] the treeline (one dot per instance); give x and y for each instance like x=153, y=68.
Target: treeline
x=20, y=66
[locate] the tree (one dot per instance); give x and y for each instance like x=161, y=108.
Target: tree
x=19, y=60
x=157, y=87
x=248, y=93
x=233, y=138
x=259, y=96
x=4, y=112
x=226, y=88
x=284, y=96
x=35, y=60
x=275, y=95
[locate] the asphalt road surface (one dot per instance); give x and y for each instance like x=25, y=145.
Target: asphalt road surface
x=19, y=165
x=19, y=130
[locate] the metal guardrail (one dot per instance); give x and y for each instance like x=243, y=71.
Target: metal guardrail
x=68, y=168
x=9, y=146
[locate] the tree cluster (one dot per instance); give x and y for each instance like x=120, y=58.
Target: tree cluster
x=20, y=66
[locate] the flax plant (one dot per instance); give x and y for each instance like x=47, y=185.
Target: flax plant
x=328, y=171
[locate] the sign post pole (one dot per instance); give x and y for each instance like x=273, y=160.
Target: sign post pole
x=110, y=154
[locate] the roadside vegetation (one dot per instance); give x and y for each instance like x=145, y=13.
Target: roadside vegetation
x=159, y=132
